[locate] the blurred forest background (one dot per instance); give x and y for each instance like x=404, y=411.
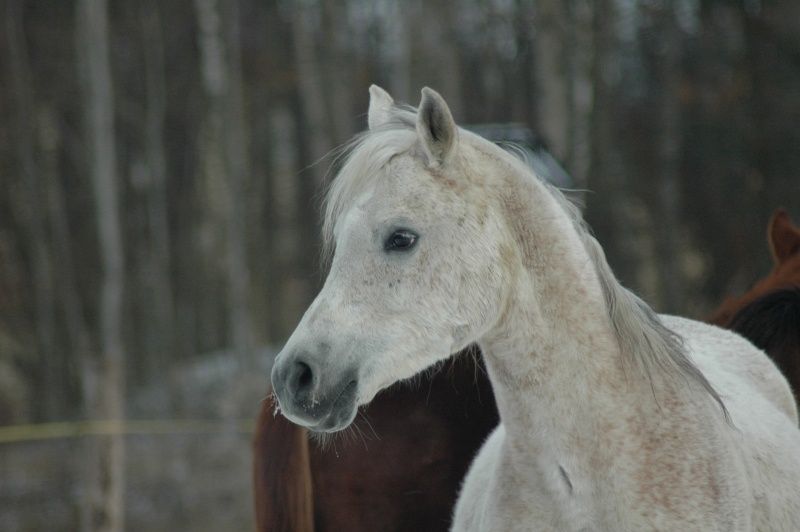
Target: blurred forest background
x=160, y=174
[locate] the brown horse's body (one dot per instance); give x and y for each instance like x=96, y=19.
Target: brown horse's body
x=405, y=476
x=772, y=323
x=769, y=313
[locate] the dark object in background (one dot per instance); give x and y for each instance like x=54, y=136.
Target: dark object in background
x=772, y=323
x=783, y=239
x=532, y=147
x=769, y=313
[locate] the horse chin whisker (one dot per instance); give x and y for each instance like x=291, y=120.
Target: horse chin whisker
x=366, y=420
x=323, y=439
x=276, y=405
x=357, y=434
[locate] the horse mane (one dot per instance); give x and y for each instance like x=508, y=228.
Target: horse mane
x=645, y=342
x=772, y=323
x=643, y=338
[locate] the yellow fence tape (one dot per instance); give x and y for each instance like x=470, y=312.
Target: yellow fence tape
x=78, y=429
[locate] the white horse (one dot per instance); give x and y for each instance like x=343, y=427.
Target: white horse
x=613, y=418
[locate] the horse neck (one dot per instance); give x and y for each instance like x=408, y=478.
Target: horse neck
x=555, y=365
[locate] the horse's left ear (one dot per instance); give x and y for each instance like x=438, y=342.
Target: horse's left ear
x=380, y=107
x=435, y=127
x=784, y=237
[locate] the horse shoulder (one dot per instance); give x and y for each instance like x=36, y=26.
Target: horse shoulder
x=765, y=431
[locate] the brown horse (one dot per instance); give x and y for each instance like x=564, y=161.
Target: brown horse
x=772, y=322
x=769, y=313
x=784, y=245
x=405, y=472
x=402, y=473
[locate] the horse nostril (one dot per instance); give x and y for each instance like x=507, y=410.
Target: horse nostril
x=305, y=376
x=301, y=381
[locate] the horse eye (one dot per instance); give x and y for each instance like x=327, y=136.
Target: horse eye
x=400, y=240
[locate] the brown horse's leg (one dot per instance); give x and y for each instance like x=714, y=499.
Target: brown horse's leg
x=281, y=474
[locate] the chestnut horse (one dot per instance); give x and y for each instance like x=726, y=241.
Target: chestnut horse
x=401, y=474
x=769, y=313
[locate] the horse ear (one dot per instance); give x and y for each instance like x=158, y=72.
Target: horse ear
x=436, y=127
x=380, y=107
x=783, y=236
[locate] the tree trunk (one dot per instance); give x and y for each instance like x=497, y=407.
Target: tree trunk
x=107, y=494
x=396, y=32
x=524, y=82
x=608, y=211
x=314, y=136
x=434, y=53
x=339, y=74
x=160, y=299
x=213, y=192
x=226, y=147
x=288, y=287
x=239, y=169
x=552, y=94
x=312, y=93
x=668, y=162
x=33, y=213
x=72, y=308
x=581, y=91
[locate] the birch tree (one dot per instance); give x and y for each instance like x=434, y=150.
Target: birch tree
x=668, y=158
x=107, y=487
x=225, y=152
x=161, y=294
x=552, y=94
x=30, y=203
x=305, y=25
x=608, y=217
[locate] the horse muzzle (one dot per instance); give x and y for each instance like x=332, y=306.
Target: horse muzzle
x=322, y=401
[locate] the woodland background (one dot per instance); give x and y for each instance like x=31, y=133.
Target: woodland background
x=160, y=173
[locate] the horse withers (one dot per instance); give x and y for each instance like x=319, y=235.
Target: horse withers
x=612, y=417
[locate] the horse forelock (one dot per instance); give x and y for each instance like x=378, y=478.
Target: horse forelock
x=363, y=159
x=366, y=154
